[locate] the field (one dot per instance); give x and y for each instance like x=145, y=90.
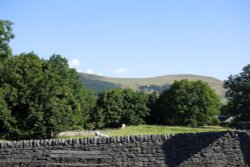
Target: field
x=144, y=130
x=101, y=83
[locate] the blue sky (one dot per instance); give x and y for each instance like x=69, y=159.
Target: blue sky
x=135, y=38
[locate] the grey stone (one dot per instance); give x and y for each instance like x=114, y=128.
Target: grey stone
x=201, y=149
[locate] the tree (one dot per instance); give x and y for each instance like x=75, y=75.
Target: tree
x=67, y=83
x=152, y=118
x=45, y=97
x=238, y=94
x=188, y=103
x=118, y=106
x=19, y=79
x=5, y=37
x=135, y=107
x=6, y=120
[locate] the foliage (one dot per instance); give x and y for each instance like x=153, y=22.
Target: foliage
x=5, y=36
x=238, y=95
x=191, y=103
x=38, y=98
x=153, y=88
x=97, y=86
x=5, y=116
x=44, y=96
x=119, y=106
x=152, y=117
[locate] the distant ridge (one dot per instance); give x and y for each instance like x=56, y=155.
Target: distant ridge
x=158, y=83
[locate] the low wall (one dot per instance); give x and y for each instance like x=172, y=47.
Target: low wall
x=243, y=125
x=200, y=149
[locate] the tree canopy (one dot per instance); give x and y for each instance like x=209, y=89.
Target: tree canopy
x=44, y=96
x=119, y=106
x=238, y=94
x=5, y=36
x=38, y=98
x=191, y=103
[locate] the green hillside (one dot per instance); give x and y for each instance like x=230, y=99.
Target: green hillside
x=101, y=83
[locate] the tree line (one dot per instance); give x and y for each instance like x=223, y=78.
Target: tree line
x=40, y=98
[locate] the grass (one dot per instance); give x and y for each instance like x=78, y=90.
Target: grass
x=134, y=83
x=154, y=129
x=144, y=130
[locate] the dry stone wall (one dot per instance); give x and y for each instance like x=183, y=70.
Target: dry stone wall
x=200, y=149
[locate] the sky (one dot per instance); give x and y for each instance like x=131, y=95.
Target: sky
x=135, y=38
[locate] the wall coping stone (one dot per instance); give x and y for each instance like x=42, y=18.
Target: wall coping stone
x=115, y=139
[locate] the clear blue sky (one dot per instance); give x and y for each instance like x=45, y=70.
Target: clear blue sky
x=135, y=38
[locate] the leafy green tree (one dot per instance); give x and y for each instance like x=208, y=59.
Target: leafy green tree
x=65, y=82
x=238, y=94
x=20, y=76
x=6, y=120
x=188, y=103
x=109, y=108
x=38, y=98
x=119, y=106
x=5, y=36
x=44, y=96
x=152, y=118
x=135, y=107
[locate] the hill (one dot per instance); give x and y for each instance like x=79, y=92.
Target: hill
x=159, y=83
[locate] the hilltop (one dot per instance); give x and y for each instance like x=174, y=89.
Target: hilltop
x=159, y=83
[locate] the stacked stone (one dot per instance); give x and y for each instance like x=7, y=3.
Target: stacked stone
x=198, y=149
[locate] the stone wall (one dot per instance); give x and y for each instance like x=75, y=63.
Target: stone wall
x=200, y=149
x=242, y=125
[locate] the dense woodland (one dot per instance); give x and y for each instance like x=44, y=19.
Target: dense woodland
x=40, y=98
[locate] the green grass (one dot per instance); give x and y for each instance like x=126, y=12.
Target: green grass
x=146, y=130
x=154, y=129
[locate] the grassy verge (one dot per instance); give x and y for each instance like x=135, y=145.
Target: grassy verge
x=153, y=129
x=142, y=130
